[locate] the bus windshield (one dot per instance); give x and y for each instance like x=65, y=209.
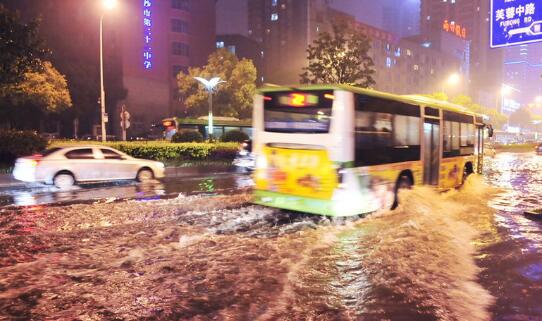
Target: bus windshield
x=298, y=112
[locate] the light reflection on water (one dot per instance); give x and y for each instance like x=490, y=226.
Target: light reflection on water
x=520, y=178
x=43, y=194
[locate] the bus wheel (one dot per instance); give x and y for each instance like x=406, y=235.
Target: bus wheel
x=467, y=170
x=404, y=182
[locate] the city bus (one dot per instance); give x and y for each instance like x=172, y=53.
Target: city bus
x=338, y=150
x=221, y=125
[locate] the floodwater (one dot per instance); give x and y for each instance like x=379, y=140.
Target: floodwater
x=37, y=194
x=468, y=254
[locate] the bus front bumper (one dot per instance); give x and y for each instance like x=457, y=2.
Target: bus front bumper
x=303, y=204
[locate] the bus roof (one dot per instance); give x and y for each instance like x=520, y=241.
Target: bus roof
x=409, y=99
x=216, y=122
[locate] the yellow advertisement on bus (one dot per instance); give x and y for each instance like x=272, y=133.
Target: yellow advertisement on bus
x=300, y=172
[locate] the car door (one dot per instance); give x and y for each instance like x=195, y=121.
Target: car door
x=114, y=165
x=83, y=164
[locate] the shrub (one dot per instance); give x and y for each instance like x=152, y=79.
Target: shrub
x=15, y=144
x=187, y=136
x=236, y=136
x=165, y=151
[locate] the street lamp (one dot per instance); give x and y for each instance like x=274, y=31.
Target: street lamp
x=453, y=79
x=107, y=5
x=211, y=86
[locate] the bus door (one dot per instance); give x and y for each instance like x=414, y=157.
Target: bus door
x=431, y=159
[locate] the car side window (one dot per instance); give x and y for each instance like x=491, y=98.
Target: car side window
x=83, y=153
x=109, y=154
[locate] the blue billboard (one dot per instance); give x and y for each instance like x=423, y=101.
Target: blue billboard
x=515, y=22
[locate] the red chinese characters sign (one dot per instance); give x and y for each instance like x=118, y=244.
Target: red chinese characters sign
x=455, y=28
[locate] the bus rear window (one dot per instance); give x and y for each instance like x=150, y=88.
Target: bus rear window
x=298, y=112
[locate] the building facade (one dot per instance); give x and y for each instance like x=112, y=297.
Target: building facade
x=469, y=19
x=158, y=40
x=522, y=72
x=412, y=65
x=285, y=28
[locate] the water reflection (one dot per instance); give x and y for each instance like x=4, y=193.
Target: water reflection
x=42, y=194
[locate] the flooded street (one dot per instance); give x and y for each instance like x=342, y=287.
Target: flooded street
x=468, y=254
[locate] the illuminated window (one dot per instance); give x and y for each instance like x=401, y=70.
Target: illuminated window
x=220, y=44
x=232, y=49
x=408, y=52
x=274, y=17
x=180, y=4
x=416, y=67
x=180, y=49
x=274, y=3
x=388, y=62
x=179, y=26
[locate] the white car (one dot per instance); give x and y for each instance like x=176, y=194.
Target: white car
x=66, y=166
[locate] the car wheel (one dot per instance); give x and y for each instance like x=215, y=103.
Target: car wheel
x=144, y=175
x=64, y=180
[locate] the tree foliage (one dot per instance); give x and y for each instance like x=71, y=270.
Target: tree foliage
x=46, y=89
x=21, y=48
x=233, y=98
x=496, y=118
x=340, y=57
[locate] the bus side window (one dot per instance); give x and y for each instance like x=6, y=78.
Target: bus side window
x=458, y=135
x=386, y=131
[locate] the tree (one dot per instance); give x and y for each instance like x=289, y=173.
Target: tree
x=39, y=93
x=47, y=89
x=522, y=118
x=233, y=98
x=496, y=118
x=21, y=48
x=340, y=57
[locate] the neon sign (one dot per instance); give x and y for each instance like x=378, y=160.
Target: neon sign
x=455, y=28
x=147, y=34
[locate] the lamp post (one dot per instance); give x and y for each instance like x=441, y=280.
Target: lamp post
x=107, y=5
x=211, y=86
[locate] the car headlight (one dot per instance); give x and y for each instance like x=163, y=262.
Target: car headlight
x=160, y=165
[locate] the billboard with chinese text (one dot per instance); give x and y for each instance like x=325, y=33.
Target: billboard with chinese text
x=515, y=22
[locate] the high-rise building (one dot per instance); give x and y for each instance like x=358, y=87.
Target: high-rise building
x=232, y=17
x=158, y=40
x=470, y=20
x=522, y=70
x=412, y=65
x=401, y=19
x=285, y=28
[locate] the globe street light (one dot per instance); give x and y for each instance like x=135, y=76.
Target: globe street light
x=211, y=86
x=107, y=5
